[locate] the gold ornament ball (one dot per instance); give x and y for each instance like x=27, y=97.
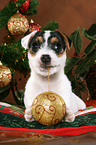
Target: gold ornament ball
x=5, y=75
x=18, y=24
x=48, y=108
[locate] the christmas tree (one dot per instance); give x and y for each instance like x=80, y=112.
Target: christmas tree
x=14, y=56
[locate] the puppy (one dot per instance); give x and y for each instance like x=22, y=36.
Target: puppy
x=47, y=49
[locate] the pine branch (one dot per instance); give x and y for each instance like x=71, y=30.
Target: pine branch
x=15, y=57
x=20, y=2
x=6, y=13
x=32, y=7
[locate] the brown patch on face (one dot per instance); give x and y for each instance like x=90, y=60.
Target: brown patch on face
x=66, y=40
x=32, y=53
x=61, y=54
x=54, y=39
x=40, y=39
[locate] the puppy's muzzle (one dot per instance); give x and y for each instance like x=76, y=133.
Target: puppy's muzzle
x=46, y=59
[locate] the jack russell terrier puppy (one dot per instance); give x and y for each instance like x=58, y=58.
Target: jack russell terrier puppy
x=47, y=49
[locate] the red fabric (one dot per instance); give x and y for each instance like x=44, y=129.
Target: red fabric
x=12, y=111
x=90, y=103
x=68, y=131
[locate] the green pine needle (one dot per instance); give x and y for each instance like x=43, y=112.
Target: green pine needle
x=15, y=57
x=6, y=13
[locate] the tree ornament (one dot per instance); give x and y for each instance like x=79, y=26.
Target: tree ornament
x=33, y=26
x=18, y=24
x=5, y=75
x=24, y=6
x=48, y=108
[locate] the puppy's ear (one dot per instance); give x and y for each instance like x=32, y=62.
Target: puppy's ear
x=25, y=40
x=67, y=39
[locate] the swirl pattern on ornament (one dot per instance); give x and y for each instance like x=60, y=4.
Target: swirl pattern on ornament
x=39, y=109
x=52, y=110
x=51, y=97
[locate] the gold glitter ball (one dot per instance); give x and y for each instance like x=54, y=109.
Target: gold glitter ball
x=48, y=108
x=18, y=24
x=5, y=75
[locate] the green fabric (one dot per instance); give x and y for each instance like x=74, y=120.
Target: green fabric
x=8, y=120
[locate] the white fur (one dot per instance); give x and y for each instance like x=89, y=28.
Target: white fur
x=25, y=40
x=38, y=81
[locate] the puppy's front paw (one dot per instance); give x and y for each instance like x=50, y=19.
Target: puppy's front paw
x=28, y=118
x=70, y=117
x=28, y=115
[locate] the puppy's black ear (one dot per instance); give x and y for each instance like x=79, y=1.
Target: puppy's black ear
x=67, y=40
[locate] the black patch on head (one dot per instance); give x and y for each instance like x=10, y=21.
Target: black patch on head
x=60, y=46
x=33, y=44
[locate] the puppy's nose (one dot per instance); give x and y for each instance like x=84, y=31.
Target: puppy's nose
x=46, y=59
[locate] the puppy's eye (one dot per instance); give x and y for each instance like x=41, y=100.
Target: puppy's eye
x=34, y=47
x=58, y=48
